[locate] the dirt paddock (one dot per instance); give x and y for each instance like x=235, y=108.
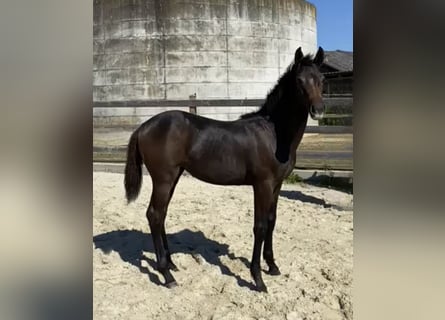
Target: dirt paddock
x=210, y=232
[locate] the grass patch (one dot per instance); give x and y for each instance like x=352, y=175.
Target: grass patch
x=337, y=183
x=293, y=178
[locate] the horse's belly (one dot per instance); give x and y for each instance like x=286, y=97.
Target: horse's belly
x=222, y=171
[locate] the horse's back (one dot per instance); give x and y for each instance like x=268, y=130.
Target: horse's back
x=219, y=152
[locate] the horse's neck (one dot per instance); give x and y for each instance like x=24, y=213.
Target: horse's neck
x=293, y=124
x=299, y=133
x=289, y=130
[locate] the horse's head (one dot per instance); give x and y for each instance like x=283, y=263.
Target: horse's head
x=310, y=80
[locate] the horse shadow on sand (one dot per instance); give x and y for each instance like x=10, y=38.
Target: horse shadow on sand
x=130, y=244
x=297, y=195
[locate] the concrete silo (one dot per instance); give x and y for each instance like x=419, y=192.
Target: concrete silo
x=216, y=49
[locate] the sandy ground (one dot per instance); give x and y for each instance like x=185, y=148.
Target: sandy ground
x=210, y=234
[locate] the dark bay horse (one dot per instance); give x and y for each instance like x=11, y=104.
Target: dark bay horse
x=259, y=149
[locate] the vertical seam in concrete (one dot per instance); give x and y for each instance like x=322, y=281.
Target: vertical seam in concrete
x=103, y=53
x=279, y=34
x=103, y=24
x=163, y=54
x=103, y=66
x=227, y=48
x=159, y=20
x=146, y=82
x=302, y=28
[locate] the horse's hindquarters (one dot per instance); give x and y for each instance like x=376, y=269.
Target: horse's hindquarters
x=163, y=141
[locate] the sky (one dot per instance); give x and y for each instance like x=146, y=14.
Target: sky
x=334, y=24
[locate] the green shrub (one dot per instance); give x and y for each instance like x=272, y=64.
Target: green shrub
x=293, y=178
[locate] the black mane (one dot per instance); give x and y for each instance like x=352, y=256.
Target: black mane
x=281, y=93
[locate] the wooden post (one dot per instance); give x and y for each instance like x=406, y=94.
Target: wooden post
x=192, y=105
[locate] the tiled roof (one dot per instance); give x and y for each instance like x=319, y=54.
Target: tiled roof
x=339, y=60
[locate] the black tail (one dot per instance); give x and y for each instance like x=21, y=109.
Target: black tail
x=133, y=169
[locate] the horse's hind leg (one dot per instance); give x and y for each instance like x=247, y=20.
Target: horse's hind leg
x=156, y=213
x=171, y=265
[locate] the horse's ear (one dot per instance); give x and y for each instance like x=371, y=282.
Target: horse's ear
x=319, y=57
x=298, y=55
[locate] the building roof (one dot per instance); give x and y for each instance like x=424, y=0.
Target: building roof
x=338, y=60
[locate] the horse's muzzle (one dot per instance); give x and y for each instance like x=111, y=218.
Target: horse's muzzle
x=317, y=112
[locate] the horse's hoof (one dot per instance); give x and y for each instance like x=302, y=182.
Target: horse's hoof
x=171, y=285
x=274, y=271
x=172, y=266
x=261, y=288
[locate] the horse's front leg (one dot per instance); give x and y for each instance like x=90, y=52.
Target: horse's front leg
x=268, y=247
x=263, y=198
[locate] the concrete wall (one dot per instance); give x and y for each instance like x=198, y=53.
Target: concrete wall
x=171, y=49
